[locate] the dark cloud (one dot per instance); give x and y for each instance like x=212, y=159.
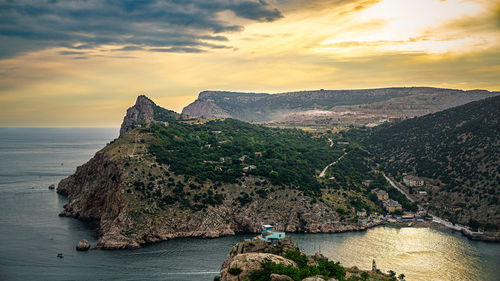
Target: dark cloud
x=171, y=25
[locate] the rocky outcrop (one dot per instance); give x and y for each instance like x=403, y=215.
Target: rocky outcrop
x=83, y=245
x=141, y=112
x=250, y=262
x=205, y=107
x=257, y=245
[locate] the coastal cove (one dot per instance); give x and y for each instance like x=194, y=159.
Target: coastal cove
x=31, y=233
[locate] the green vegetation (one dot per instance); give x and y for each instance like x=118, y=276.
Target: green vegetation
x=234, y=271
x=222, y=151
x=457, y=150
x=325, y=268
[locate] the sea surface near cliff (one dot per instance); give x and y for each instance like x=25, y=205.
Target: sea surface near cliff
x=31, y=233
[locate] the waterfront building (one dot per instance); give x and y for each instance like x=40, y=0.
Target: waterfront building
x=269, y=235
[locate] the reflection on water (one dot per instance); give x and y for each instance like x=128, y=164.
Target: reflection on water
x=419, y=253
x=31, y=233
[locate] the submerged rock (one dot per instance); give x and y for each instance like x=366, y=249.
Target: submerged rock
x=83, y=245
x=52, y=186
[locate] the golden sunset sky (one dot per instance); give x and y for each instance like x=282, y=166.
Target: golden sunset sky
x=82, y=63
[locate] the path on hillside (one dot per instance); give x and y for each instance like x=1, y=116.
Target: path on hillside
x=331, y=142
x=437, y=219
x=322, y=174
x=135, y=144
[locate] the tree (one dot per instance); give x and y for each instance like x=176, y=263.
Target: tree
x=392, y=273
x=235, y=271
x=401, y=277
x=364, y=275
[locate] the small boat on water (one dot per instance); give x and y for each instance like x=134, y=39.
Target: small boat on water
x=410, y=224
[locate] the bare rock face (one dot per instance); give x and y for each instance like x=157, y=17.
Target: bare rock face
x=141, y=112
x=83, y=245
x=280, y=277
x=205, y=107
x=250, y=262
x=258, y=246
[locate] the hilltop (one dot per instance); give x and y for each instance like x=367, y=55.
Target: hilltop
x=169, y=175
x=331, y=107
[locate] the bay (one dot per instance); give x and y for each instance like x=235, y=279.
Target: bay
x=32, y=234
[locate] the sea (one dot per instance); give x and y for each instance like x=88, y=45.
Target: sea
x=32, y=234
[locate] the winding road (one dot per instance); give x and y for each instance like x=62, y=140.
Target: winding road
x=322, y=174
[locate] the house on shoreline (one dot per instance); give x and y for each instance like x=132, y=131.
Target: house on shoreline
x=269, y=235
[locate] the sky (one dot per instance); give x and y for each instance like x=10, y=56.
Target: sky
x=82, y=63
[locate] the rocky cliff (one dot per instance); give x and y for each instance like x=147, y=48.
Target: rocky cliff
x=141, y=112
x=136, y=199
x=331, y=107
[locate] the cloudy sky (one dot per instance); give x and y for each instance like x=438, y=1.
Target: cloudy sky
x=82, y=63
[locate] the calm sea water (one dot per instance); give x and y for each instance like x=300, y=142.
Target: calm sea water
x=31, y=233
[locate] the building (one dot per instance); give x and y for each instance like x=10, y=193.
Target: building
x=391, y=205
x=422, y=193
x=381, y=194
x=269, y=235
x=407, y=218
x=413, y=181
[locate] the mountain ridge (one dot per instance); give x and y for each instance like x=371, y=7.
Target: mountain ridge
x=336, y=107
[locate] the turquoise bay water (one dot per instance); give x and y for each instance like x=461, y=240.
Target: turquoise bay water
x=31, y=233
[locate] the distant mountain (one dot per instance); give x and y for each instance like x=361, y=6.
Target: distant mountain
x=331, y=107
x=457, y=152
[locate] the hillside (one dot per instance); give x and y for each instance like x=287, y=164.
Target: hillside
x=456, y=152
x=331, y=107
x=170, y=176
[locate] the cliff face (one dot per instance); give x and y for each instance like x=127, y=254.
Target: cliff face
x=141, y=112
x=331, y=107
x=200, y=108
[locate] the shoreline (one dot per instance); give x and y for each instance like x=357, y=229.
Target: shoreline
x=433, y=224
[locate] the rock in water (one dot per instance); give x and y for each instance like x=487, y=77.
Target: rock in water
x=52, y=186
x=83, y=245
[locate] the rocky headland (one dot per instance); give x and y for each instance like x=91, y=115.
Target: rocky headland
x=256, y=259
x=136, y=199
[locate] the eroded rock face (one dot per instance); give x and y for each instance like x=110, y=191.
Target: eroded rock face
x=204, y=107
x=83, y=245
x=258, y=246
x=141, y=112
x=250, y=262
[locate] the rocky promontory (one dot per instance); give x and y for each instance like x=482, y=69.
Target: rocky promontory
x=137, y=195
x=256, y=259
